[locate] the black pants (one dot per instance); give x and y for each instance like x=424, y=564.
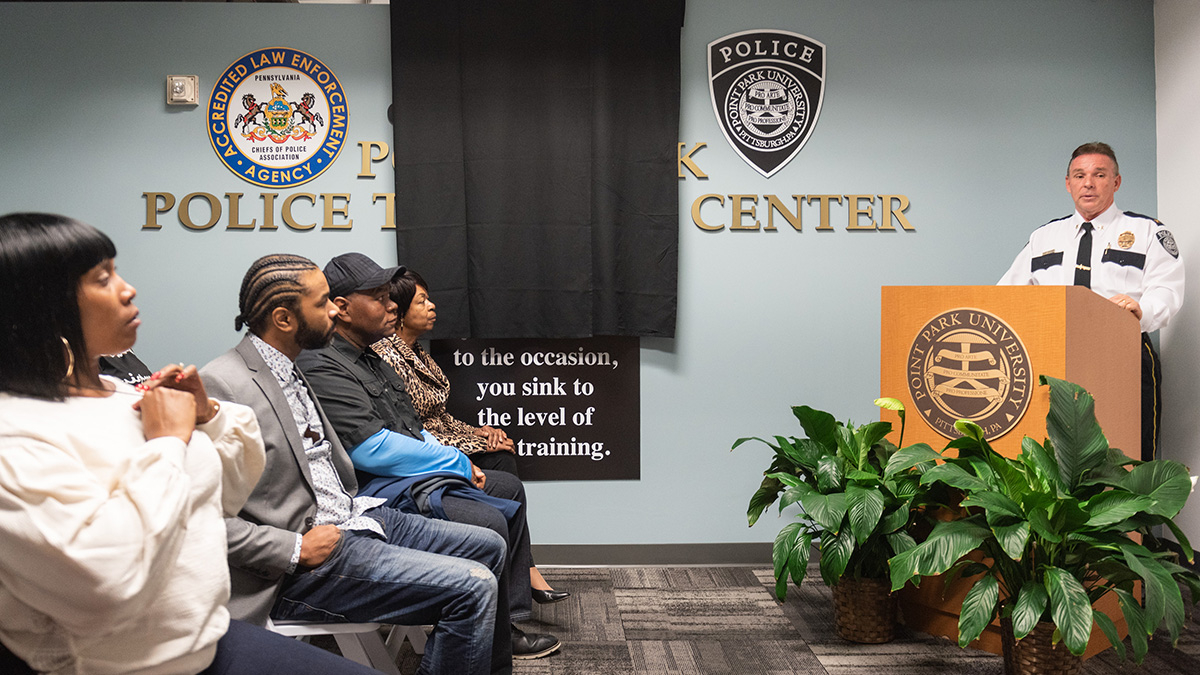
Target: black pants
x=10, y=664
x=1151, y=399
x=516, y=535
x=498, y=461
x=246, y=649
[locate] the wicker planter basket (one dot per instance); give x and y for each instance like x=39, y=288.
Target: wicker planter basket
x=864, y=610
x=1035, y=655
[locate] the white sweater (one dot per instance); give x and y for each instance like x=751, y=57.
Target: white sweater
x=112, y=547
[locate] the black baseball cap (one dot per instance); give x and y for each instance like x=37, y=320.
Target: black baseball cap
x=350, y=272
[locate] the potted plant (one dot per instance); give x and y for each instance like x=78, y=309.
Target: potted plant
x=856, y=502
x=1056, y=528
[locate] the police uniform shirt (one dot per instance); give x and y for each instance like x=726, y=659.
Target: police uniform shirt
x=1132, y=255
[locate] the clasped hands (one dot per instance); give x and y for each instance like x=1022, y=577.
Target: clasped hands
x=496, y=439
x=174, y=402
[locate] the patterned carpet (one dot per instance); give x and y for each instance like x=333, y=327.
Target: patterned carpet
x=709, y=620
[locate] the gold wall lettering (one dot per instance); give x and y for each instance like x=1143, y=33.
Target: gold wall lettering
x=305, y=211
x=367, y=149
x=746, y=212
x=300, y=211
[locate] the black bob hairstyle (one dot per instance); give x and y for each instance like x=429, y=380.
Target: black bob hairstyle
x=42, y=259
x=403, y=288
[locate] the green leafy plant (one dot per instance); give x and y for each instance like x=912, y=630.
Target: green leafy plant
x=854, y=499
x=1055, y=529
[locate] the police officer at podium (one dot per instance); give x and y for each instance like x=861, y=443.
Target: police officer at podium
x=1124, y=256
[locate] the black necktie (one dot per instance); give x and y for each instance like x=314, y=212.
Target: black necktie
x=1083, y=261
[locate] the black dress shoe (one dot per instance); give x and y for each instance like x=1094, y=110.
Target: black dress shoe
x=533, y=645
x=549, y=597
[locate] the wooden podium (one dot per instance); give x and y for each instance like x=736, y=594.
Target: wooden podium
x=976, y=352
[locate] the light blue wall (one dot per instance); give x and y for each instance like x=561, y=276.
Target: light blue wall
x=85, y=131
x=968, y=107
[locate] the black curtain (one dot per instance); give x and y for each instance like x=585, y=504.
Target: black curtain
x=535, y=147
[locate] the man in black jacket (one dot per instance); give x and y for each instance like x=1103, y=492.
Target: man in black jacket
x=372, y=413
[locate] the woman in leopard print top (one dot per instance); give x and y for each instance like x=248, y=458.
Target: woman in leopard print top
x=488, y=447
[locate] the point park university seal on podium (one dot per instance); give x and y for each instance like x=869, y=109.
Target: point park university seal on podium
x=968, y=364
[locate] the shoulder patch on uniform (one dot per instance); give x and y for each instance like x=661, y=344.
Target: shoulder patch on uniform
x=1132, y=214
x=1168, y=242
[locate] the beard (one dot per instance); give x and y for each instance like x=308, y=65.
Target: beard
x=310, y=337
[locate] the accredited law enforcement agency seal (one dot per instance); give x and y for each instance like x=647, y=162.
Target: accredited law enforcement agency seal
x=277, y=117
x=968, y=364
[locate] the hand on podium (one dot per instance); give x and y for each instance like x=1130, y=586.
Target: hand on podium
x=1125, y=302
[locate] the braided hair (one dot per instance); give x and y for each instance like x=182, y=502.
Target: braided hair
x=272, y=281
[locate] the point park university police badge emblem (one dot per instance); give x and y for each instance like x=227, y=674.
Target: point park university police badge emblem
x=277, y=117
x=968, y=364
x=766, y=88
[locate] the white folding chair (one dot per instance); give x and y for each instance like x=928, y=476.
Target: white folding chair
x=359, y=642
x=415, y=634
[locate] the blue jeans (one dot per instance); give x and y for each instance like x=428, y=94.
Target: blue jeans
x=427, y=571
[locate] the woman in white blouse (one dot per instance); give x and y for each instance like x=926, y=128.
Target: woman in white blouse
x=112, y=498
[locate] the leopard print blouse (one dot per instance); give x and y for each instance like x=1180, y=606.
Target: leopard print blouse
x=429, y=389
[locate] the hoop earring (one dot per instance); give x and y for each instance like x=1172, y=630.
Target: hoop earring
x=70, y=360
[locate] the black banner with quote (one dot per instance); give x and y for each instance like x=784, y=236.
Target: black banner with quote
x=572, y=407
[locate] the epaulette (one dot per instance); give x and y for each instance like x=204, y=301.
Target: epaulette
x=1053, y=221
x=1131, y=214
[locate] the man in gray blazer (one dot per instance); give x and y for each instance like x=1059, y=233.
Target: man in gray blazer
x=304, y=547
